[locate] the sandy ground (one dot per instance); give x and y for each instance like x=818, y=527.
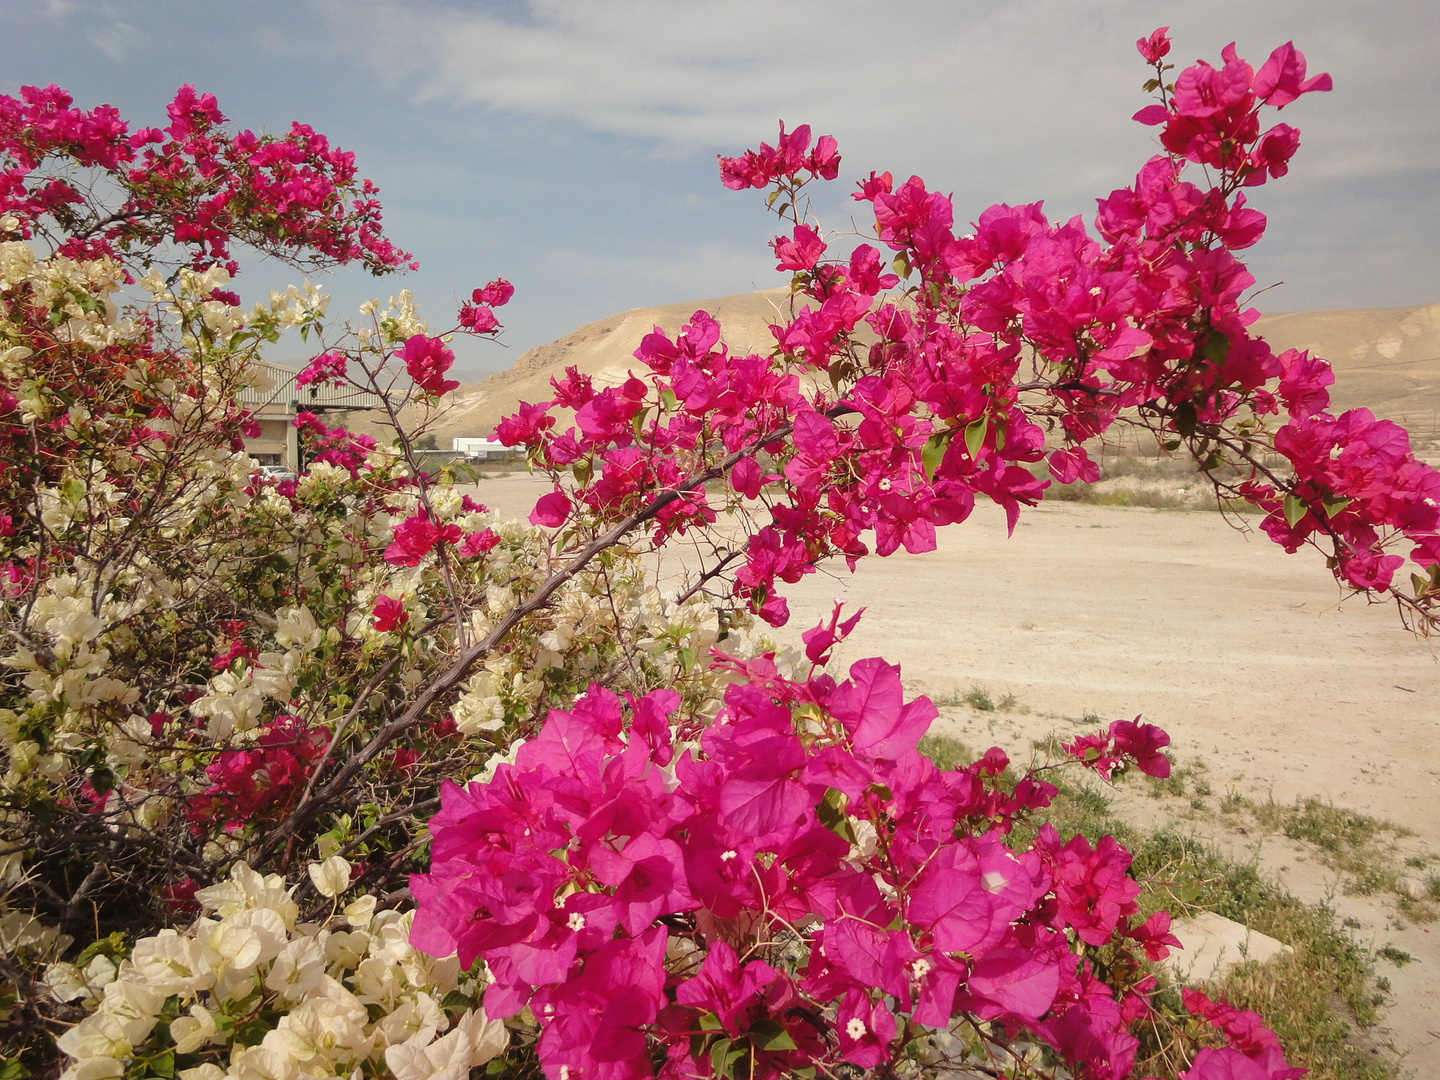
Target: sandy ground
x=1241, y=652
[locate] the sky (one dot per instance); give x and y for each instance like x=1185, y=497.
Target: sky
x=569, y=145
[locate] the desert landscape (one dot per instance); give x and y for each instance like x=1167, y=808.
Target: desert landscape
x=1274, y=687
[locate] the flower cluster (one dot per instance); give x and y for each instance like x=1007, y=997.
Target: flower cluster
x=794, y=889
x=191, y=184
x=1018, y=326
x=258, y=784
x=345, y=993
x=790, y=155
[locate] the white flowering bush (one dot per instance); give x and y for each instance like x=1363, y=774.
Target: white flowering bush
x=252, y=992
x=201, y=668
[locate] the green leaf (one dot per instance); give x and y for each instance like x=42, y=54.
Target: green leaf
x=1334, y=506
x=901, y=265
x=832, y=815
x=771, y=1035
x=13, y=1069
x=164, y=1065
x=667, y=399
x=1185, y=418
x=1215, y=347
x=710, y=1022
x=582, y=471
x=102, y=779
x=975, y=433
x=720, y=1057
x=1295, y=509
x=933, y=452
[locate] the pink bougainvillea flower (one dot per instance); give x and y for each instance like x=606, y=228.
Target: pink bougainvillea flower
x=327, y=367
x=476, y=544
x=551, y=510
x=821, y=639
x=1156, y=46
x=479, y=319
x=427, y=359
x=416, y=537
x=1282, y=77
x=496, y=294
x=389, y=613
x=865, y=1031
x=1144, y=743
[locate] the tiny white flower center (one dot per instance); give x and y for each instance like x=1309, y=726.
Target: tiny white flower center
x=885, y=483
x=576, y=922
x=920, y=968
x=726, y=856
x=855, y=1028
x=993, y=881
x=564, y=1072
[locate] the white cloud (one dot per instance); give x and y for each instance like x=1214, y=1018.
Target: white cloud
x=1019, y=100
x=116, y=41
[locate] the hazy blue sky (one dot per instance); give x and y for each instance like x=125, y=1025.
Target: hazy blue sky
x=569, y=145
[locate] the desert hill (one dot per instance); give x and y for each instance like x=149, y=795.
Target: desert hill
x=604, y=350
x=1385, y=359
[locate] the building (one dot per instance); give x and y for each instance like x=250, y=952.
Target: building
x=277, y=401
x=482, y=449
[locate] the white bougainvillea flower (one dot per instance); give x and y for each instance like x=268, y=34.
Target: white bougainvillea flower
x=193, y=1031
x=332, y=877
x=326, y=1029
x=296, y=626
x=247, y=889
x=170, y=963
x=474, y=1041
x=421, y=1020
x=298, y=968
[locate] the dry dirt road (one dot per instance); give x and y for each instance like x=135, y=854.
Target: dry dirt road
x=1244, y=654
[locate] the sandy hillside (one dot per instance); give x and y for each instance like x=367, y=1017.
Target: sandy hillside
x=1386, y=359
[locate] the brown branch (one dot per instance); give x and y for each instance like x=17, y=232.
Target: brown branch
x=308, y=807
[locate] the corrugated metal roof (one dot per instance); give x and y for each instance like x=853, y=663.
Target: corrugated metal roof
x=278, y=390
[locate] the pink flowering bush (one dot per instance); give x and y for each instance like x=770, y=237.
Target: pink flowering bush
x=884, y=415
x=792, y=887
x=665, y=859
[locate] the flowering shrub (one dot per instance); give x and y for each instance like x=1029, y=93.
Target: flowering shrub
x=249, y=991
x=886, y=415
x=667, y=858
x=790, y=888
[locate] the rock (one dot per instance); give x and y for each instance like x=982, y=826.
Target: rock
x=1214, y=944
